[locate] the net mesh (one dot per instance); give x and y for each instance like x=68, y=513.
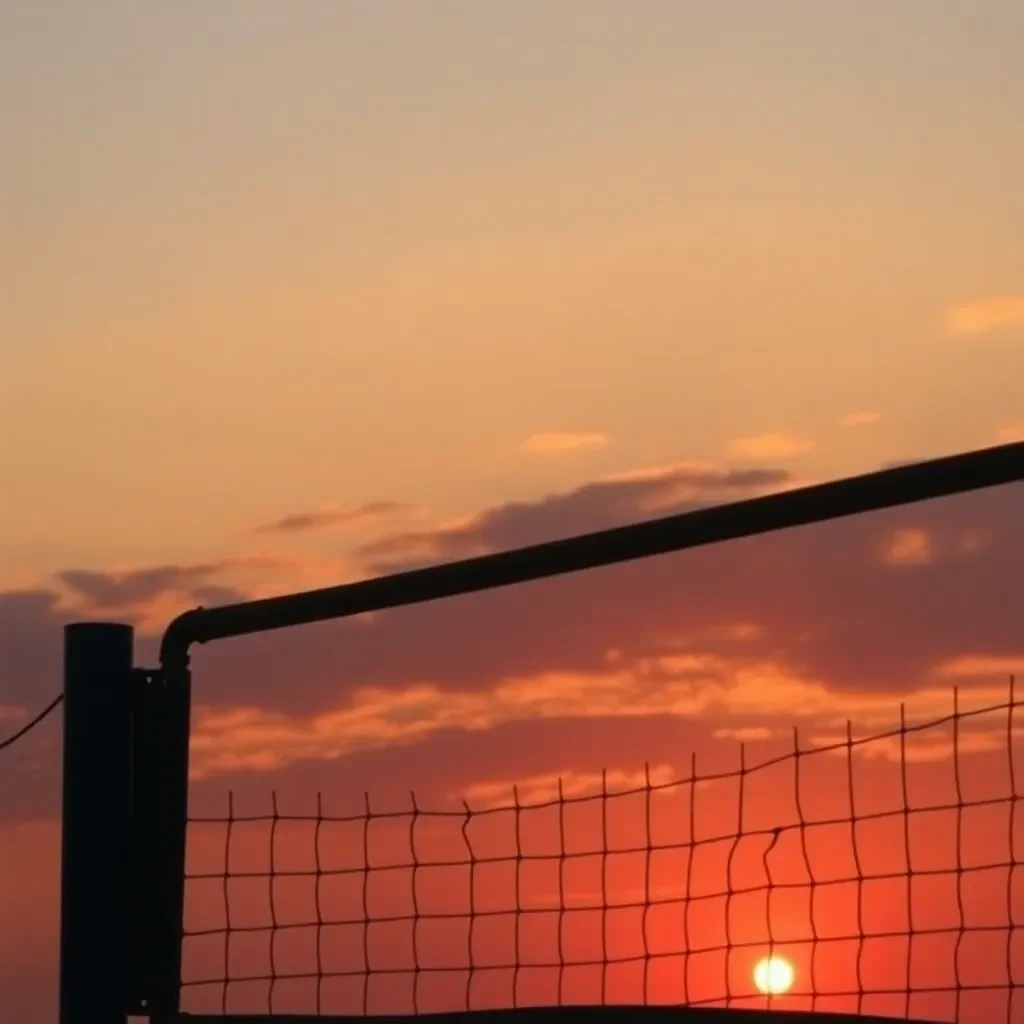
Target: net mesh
x=874, y=869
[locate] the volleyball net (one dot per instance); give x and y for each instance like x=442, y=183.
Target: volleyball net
x=861, y=874
x=857, y=869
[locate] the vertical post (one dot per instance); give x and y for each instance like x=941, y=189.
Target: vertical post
x=97, y=723
x=159, y=814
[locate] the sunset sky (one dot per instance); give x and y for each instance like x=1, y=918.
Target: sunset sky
x=293, y=294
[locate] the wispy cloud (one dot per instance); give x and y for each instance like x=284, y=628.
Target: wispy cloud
x=333, y=518
x=908, y=547
x=150, y=597
x=756, y=693
x=923, y=747
x=980, y=316
x=746, y=733
x=1010, y=432
x=781, y=444
x=861, y=418
x=116, y=590
x=549, y=786
x=557, y=442
x=977, y=667
x=608, y=501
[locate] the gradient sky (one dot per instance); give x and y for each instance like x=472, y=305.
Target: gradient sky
x=294, y=293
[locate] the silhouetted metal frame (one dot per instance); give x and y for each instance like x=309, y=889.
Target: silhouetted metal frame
x=125, y=778
x=870, y=492
x=158, y=818
x=887, y=488
x=95, y=839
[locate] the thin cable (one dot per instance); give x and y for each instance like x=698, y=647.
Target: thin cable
x=29, y=726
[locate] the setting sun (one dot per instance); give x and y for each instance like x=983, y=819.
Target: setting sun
x=773, y=975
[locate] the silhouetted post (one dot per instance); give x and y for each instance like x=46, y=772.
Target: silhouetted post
x=97, y=723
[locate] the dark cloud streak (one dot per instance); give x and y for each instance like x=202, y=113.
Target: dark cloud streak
x=303, y=522
x=593, y=506
x=122, y=590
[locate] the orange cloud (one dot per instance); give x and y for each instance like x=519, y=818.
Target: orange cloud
x=776, y=445
x=981, y=666
x=746, y=733
x=986, y=314
x=11, y=713
x=556, y=442
x=908, y=547
x=759, y=692
x=863, y=418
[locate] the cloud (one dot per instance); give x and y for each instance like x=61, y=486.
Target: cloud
x=981, y=667
x=707, y=686
x=746, y=733
x=568, y=783
x=863, y=418
x=821, y=601
x=150, y=597
x=607, y=502
x=1011, y=432
x=920, y=748
x=147, y=598
x=986, y=314
x=334, y=518
x=107, y=591
x=30, y=646
x=557, y=442
x=816, y=604
x=776, y=445
x=908, y=546
x=31, y=624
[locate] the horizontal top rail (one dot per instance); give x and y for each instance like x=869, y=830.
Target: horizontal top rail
x=885, y=488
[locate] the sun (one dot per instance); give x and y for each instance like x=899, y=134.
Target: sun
x=773, y=975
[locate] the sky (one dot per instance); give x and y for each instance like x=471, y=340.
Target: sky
x=297, y=294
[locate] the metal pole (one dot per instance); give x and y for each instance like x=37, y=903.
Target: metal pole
x=160, y=741
x=870, y=492
x=97, y=722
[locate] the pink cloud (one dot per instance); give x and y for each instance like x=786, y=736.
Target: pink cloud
x=909, y=546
